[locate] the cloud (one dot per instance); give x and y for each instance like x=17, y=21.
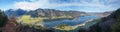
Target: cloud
x=32, y=5
x=55, y=4
x=112, y=0
x=26, y=5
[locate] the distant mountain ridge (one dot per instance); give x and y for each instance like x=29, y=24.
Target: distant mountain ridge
x=18, y=12
x=43, y=13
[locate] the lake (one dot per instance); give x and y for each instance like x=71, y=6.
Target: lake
x=73, y=22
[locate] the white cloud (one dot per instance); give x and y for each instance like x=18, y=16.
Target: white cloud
x=112, y=0
x=30, y=5
x=26, y=5
x=46, y=4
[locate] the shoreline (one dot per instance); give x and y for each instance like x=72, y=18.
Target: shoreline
x=76, y=26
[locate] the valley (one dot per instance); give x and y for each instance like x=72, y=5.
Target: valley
x=70, y=21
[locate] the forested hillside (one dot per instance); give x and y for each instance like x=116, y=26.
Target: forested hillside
x=110, y=23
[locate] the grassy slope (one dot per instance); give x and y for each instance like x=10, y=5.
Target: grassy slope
x=29, y=20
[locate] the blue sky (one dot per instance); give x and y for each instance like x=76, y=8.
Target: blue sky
x=78, y=5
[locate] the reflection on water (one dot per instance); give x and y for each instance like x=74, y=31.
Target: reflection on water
x=75, y=21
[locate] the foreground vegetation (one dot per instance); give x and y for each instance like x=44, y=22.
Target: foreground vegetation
x=116, y=26
x=110, y=23
x=3, y=20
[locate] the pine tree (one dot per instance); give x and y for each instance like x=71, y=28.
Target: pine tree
x=3, y=19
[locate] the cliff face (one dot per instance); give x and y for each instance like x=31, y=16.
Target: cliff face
x=107, y=24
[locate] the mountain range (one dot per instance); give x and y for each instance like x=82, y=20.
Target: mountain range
x=43, y=13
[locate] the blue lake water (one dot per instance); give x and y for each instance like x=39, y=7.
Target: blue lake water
x=79, y=20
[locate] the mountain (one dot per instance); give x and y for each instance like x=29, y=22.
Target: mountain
x=110, y=23
x=18, y=12
x=54, y=13
x=101, y=14
x=44, y=13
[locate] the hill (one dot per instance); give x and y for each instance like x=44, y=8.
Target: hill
x=110, y=23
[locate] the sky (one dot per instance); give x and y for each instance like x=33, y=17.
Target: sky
x=77, y=5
